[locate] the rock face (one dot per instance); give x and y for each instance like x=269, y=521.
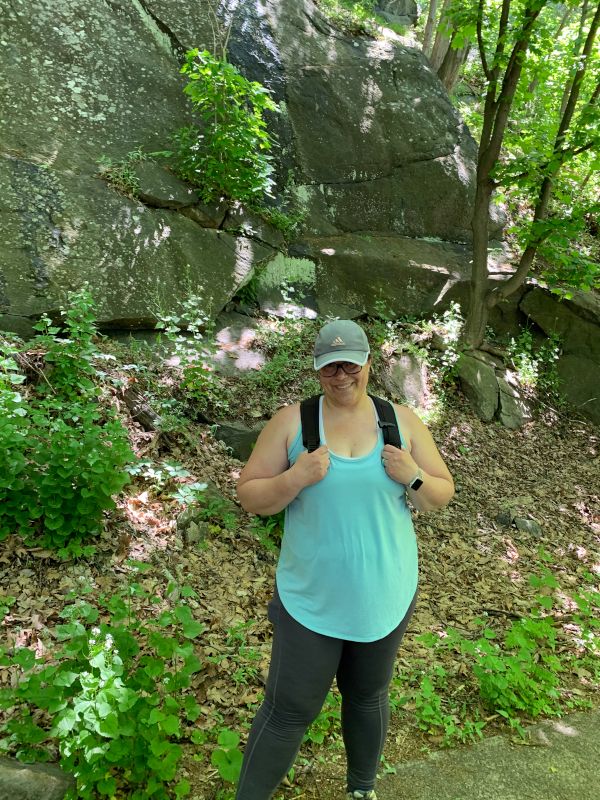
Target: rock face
x=32, y=781
x=356, y=272
x=367, y=132
x=577, y=324
x=402, y=12
x=492, y=390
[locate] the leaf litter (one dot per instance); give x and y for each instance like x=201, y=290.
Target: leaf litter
x=470, y=565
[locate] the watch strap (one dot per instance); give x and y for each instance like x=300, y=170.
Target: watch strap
x=417, y=481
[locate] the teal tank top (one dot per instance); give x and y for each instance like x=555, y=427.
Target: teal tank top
x=348, y=566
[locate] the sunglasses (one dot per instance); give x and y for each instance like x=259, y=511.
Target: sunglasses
x=329, y=370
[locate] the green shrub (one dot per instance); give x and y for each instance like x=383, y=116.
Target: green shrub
x=113, y=701
x=225, y=155
x=327, y=722
x=269, y=530
x=65, y=454
x=535, y=366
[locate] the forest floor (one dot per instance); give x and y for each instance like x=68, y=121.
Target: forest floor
x=474, y=563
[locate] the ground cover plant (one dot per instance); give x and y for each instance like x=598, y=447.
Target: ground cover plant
x=113, y=701
x=65, y=451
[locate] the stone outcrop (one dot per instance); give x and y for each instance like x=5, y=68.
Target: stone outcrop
x=32, y=781
x=577, y=324
x=355, y=273
x=492, y=390
x=366, y=130
x=402, y=12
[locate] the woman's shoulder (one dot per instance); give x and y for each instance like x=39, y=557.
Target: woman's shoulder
x=409, y=422
x=287, y=413
x=286, y=421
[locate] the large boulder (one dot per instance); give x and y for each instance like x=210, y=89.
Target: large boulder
x=577, y=324
x=136, y=259
x=401, y=8
x=367, y=134
x=401, y=12
x=362, y=272
x=20, y=781
x=580, y=383
x=479, y=383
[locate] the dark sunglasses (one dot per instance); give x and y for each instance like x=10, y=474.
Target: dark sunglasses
x=329, y=370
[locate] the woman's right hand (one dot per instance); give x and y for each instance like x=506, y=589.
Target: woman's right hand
x=312, y=467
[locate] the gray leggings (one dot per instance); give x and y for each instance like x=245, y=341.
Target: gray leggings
x=303, y=665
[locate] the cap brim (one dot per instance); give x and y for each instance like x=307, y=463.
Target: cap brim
x=353, y=356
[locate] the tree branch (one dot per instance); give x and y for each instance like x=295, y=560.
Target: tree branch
x=541, y=209
x=503, y=24
x=564, y=156
x=510, y=82
x=577, y=81
x=480, y=42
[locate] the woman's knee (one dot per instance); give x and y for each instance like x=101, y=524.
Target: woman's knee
x=289, y=712
x=365, y=701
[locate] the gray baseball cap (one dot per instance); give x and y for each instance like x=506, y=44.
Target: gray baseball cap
x=341, y=340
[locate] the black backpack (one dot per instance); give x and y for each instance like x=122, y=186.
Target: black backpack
x=309, y=418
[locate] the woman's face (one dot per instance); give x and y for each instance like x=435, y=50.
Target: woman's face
x=342, y=388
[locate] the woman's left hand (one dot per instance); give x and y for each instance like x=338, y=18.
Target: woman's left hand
x=399, y=465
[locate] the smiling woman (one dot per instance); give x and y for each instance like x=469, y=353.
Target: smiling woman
x=347, y=575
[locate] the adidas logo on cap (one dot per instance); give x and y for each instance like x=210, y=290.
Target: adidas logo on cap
x=337, y=341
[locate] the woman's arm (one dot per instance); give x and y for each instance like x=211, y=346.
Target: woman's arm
x=267, y=483
x=437, y=488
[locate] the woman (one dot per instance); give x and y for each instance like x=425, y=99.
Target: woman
x=347, y=574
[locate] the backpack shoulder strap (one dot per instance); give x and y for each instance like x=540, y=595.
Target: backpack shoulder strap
x=387, y=421
x=309, y=419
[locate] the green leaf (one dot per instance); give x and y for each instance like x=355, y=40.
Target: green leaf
x=154, y=667
x=107, y=786
x=228, y=738
x=228, y=763
x=191, y=708
x=170, y=725
x=182, y=788
x=25, y=658
x=109, y=727
x=65, y=723
x=159, y=746
x=192, y=629
x=156, y=715
x=65, y=678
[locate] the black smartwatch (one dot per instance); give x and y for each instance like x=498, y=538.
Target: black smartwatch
x=417, y=481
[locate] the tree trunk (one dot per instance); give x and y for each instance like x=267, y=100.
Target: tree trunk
x=450, y=68
x=428, y=34
x=576, y=53
x=442, y=40
x=476, y=321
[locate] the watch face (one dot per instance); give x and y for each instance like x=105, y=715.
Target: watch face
x=416, y=484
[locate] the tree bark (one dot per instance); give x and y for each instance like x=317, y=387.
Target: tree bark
x=450, y=68
x=477, y=315
x=442, y=40
x=577, y=47
x=428, y=34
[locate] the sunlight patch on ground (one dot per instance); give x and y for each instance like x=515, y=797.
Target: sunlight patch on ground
x=512, y=554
